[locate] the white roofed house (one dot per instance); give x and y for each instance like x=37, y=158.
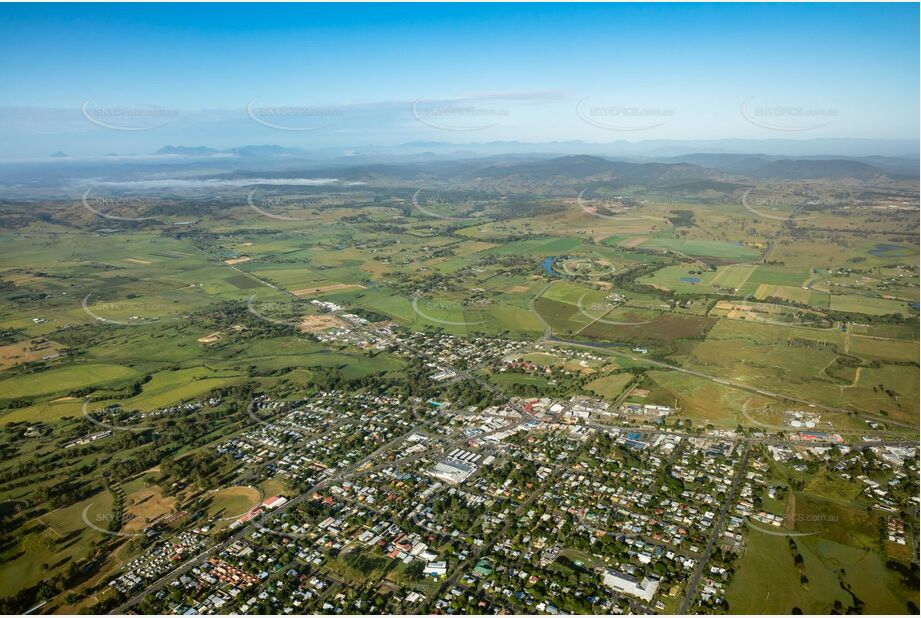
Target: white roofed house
x=644, y=589
x=436, y=569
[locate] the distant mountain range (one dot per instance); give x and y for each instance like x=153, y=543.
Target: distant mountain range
x=765, y=166
x=540, y=171
x=760, y=166
x=592, y=168
x=701, y=167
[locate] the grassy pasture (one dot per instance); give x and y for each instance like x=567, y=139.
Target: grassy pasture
x=767, y=582
x=538, y=247
x=733, y=276
x=775, y=275
x=511, y=380
x=460, y=315
x=61, y=380
x=664, y=328
x=567, y=292
x=288, y=276
x=900, y=379
x=704, y=248
x=785, y=292
x=47, y=411
x=790, y=360
x=854, y=303
x=564, y=318
x=836, y=519
x=53, y=539
x=700, y=400
x=169, y=387
x=907, y=332
x=872, y=348
x=682, y=278
x=611, y=386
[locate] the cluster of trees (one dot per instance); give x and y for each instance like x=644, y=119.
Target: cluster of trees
x=798, y=561
x=206, y=469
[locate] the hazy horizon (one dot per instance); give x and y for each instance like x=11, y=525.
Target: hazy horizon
x=131, y=79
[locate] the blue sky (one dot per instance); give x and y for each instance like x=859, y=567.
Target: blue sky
x=387, y=74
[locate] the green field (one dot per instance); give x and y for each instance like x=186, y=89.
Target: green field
x=733, y=252
x=767, y=583
x=610, y=387
x=853, y=303
x=63, y=380
x=788, y=359
x=685, y=299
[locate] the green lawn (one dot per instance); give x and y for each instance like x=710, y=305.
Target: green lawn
x=65, y=379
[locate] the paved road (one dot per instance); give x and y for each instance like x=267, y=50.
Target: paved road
x=692, y=585
x=475, y=554
x=772, y=242
x=201, y=557
x=736, y=438
x=730, y=383
x=718, y=528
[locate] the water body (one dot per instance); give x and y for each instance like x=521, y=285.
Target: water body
x=691, y=279
x=887, y=250
x=547, y=265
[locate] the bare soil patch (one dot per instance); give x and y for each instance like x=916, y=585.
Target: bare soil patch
x=316, y=323
x=27, y=351
x=212, y=338
x=146, y=505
